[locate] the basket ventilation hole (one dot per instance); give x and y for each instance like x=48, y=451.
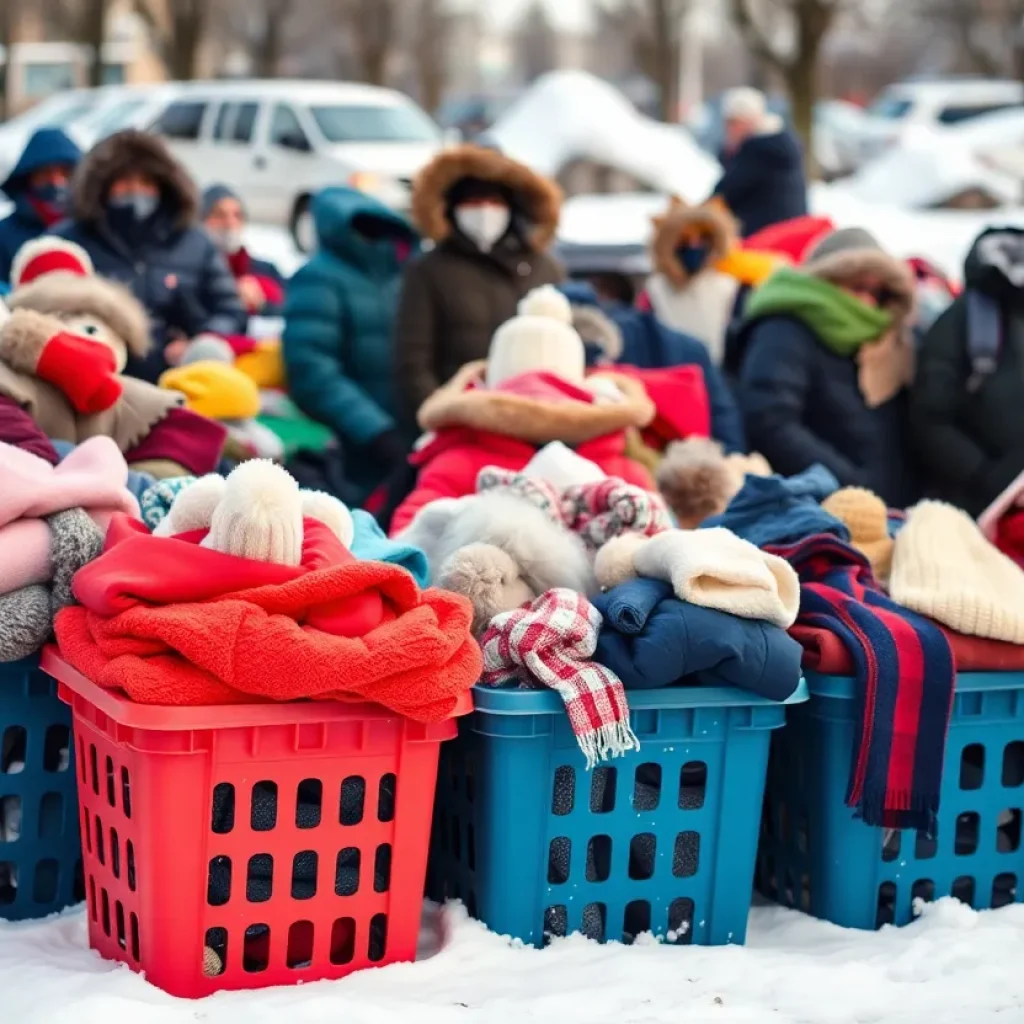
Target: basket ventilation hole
x=926, y=846
x=386, y=797
x=105, y=901
x=563, y=793
x=556, y=923
x=599, y=859
x=10, y=819
x=309, y=803
x=1013, y=764
x=885, y=912
x=559, y=858
x=602, y=790
x=300, y=945
x=215, y=951
x=111, y=776
x=133, y=927
x=693, y=783
x=263, y=815
x=126, y=792
x=343, y=941
x=256, y=948
x=680, y=922
x=353, y=797
x=963, y=890
x=122, y=932
x=595, y=921
x=382, y=868
x=892, y=841
x=94, y=773
x=643, y=851
x=223, y=815
x=218, y=881
x=259, y=878
x=967, y=829
x=13, y=750
x=346, y=874
x=923, y=890
x=972, y=766
x=115, y=853
x=378, y=938
x=131, y=865
x=647, y=787
x=636, y=920
x=304, y=870
x=686, y=855
x=101, y=855
x=57, y=749
x=1008, y=831
x=1004, y=890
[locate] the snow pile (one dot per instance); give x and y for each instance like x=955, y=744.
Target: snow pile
x=928, y=168
x=954, y=965
x=571, y=115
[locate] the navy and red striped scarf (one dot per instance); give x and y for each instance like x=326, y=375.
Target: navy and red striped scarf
x=905, y=672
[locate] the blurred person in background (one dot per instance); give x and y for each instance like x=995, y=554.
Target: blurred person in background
x=260, y=283
x=967, y=404
x=38, y=188
x=339, y=323
x=134, y=210
x=828, y=359
x=491, y=220
x=764, y=181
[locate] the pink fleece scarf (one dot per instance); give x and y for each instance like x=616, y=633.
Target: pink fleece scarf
x=92, y=477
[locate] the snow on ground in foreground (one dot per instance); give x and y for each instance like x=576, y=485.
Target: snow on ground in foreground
x=954, y=965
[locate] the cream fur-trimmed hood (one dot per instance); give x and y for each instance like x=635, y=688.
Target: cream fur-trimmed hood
x=536, y=421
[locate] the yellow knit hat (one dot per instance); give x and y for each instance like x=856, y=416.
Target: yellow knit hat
x=943, y=567
x=867, y=519
x=264, y=365
x=214, y=390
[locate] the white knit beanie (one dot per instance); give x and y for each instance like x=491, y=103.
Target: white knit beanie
x=540, y=338
x=944, y=568
x=744, y=103
x=259, y=516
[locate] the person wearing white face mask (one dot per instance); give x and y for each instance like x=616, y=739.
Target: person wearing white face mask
x=134, y=210
x=260, y=283
x=492, y=221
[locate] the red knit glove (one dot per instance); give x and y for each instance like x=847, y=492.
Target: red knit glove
x=85, y=371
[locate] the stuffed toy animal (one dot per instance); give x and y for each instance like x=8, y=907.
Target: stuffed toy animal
x=62, y=352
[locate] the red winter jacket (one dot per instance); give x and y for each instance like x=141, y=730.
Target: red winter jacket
x=473, y=428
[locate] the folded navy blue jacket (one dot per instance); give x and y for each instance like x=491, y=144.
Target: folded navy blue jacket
x=652, y=639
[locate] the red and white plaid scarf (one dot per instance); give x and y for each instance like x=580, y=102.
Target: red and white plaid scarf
x=551, y=643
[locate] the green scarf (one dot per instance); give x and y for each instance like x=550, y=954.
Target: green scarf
x=841, y=322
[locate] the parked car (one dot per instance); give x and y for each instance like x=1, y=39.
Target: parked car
x=279, y=142
x=132, y=106
x=906, y=107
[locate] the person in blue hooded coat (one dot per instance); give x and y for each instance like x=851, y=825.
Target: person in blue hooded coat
x=764, y=181
x=338, y=338
x=648, y=344
x=38, y=188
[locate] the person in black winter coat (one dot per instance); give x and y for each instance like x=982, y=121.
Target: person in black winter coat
x=827, y=360
x=967, y=403
x=764, y=180
x=134, y=210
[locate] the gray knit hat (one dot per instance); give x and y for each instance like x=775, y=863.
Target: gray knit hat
x=844, y=240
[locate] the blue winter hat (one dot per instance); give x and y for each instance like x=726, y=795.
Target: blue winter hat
x=46, y=147
x=214, y=194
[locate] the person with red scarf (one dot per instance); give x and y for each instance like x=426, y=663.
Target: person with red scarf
x=38, y=188
x=260, y=283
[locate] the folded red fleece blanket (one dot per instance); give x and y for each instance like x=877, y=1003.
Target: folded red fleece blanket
x=825, y=652
x=170, y=622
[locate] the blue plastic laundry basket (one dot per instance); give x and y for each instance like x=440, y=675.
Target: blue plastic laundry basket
x=40, y=852
x=663, y=840
x=817, y=857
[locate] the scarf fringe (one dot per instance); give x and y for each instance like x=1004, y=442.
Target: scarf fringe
x=898, y=809
x=614, y=740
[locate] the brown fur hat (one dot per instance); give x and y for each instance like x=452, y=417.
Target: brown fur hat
x=120, y=154
x=711, y=220
x=539, y=199
x=849, y=253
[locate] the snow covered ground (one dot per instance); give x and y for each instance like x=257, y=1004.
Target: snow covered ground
x=953, y=966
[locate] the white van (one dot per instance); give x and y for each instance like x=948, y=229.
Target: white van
x=279, y=142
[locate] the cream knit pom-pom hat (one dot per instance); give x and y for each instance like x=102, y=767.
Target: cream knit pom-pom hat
x=943, y=567
x=259, y=516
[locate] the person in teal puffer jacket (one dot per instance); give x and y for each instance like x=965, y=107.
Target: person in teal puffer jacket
x=338, y=346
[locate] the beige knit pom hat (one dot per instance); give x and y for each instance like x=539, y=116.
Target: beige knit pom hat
x=867, y=519
x=943, y=567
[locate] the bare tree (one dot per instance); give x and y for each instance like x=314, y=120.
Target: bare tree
x=262, y=27
x=658, y=48
x=83, y=21
x=430, y=53
x=988, y=33
x=6, y=41
x=807, y=23
x=536, y=43
x=178, y=37
x=374, y=29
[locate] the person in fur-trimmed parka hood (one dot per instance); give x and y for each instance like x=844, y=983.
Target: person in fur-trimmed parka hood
x=701, y=274
x=134, y=210
x=62, y=349
x=491, y=220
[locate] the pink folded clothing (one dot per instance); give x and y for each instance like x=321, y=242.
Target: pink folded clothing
x=92, y=477
x=24, y=554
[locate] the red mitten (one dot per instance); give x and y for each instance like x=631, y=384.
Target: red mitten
x=85, y=371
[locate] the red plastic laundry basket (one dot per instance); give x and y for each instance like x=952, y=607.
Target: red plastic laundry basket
x=240, y=847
